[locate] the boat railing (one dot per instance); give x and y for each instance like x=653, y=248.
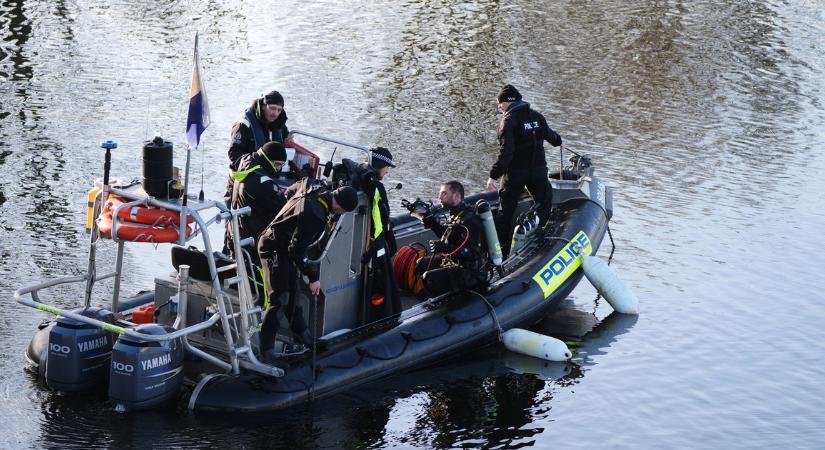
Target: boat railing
x=248, y=315
x=363, y=148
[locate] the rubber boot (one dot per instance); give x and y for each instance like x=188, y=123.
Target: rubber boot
x=269, y=329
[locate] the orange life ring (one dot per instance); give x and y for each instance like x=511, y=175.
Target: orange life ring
x=144, y=214
x=138, y=232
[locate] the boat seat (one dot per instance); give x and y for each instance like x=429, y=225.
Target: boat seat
x=198, y=264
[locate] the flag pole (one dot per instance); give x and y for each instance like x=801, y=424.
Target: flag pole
x=196, y=122
x=183, y=212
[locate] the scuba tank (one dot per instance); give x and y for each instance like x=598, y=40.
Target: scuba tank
x=490, y=235
x=520, y=234
x=526, y=225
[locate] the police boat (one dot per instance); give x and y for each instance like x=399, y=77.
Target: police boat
x=196, y=332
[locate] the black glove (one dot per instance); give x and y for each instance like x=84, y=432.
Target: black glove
x=437, y=247
x=429, y=221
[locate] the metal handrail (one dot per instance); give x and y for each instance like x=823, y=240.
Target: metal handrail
x=326, y=247
x=363, y=148
x=90, y=277
x=18, y=296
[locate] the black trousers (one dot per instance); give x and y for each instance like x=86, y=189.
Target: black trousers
x=440, y=277
x=512, y=186
x=281, y=282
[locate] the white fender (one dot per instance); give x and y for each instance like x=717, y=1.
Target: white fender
x=535, y=345
x=544, y=370
x=608, y=284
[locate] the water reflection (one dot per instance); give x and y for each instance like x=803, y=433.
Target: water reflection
x=18, y=27
x=488, y=399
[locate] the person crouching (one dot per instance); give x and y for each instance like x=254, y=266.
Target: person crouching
x=283, y=247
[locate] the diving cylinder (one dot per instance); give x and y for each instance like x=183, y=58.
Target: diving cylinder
x=519, y=237
x=490, y=234
x=145, y=373
x=79, y=353
x=535, y=221
x=608, y=284
x=536, y=345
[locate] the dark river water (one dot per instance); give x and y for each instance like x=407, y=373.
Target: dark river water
x=707, y=118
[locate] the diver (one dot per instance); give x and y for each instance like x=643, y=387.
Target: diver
x=457, y=260
x=384, y=298
x=255, y=186
x=520, y=163
x=283, y=246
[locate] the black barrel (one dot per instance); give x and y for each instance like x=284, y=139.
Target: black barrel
x=157, y=167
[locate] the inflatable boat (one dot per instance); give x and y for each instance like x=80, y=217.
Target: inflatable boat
x=197, y=329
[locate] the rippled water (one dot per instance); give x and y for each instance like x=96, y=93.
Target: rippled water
x=706, y=118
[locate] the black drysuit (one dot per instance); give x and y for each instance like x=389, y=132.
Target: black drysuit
x=458, y=261
x=283, y=250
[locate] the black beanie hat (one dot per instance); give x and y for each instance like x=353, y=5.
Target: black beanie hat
x=509, y=94
x=274, y=98
x=346, y=197
x=381, y=157
x=275, y=151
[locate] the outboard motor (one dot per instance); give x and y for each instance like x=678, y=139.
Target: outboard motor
x=145, y=373
x=79, y=353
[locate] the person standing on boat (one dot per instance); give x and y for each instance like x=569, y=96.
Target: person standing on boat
x=456, y=260
x=384, y=299
x=520, y=163
x=283, y=248
x=262, y=122
x=255, y=186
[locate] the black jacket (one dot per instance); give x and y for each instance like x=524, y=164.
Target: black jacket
x=299, y=223
x=383, y=246
x=255, y=186
x=363, y=177
x=250, y=133
x=521, y=136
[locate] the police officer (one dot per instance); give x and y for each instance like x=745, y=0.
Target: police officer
x=520, y=163
x=283, y=251
x=385, y=299
x=263, y=121
x=255, y=186
x=457, y=258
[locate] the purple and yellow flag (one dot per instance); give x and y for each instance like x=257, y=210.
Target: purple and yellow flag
x=198, y=118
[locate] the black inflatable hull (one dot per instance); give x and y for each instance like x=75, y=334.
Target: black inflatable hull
x=424, y=334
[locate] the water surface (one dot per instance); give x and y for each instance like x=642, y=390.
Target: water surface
x=705, y=117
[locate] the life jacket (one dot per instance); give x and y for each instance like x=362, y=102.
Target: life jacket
x=252, y=121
